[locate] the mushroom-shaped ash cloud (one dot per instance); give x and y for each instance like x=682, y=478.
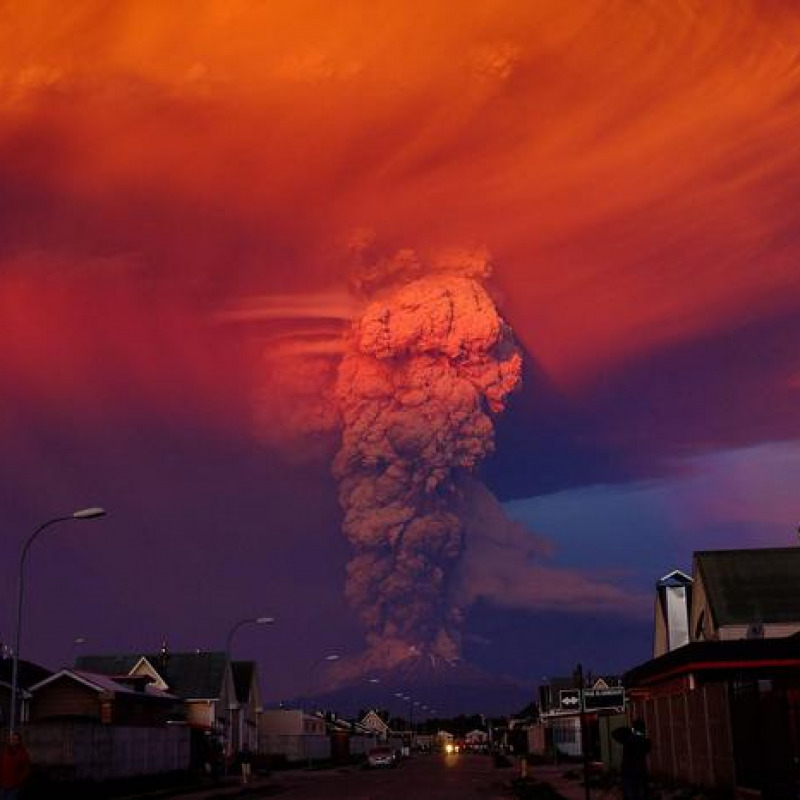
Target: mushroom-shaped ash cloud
x=426, y=365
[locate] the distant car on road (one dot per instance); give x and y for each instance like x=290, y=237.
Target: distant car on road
x=380, y=757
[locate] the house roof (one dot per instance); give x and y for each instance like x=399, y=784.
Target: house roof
x=372, y=719
x=29, y=673
x=756, y=585
x=102, y=683
x=243, y=672
x=735, y=654
x=590, y=681
x=675, y=578
x=107, y=665
x=191, y=676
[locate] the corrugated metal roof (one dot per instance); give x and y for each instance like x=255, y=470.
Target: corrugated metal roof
x=750, y=586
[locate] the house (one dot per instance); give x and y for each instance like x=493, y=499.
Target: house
x=722, y=701
x=443, y=739
x=476, y=740
x=376, y=725
x=247, y=709
x=73, y=694
x=293, y=735
x=564, y=707
x=216, y=695
x=742, y=594
x=88, y=726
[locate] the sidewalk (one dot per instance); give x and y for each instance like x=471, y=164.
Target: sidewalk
x=226, y=788
x=553, y=775
x=231, y=786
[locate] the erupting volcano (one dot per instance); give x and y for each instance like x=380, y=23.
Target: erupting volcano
x=427, y=364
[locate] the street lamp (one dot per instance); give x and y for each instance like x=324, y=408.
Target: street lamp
x=328, y=659
x=84, y=513
x=77, y=642
x=240, y=624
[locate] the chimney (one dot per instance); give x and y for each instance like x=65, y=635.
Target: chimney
x=673, y=601
x=163, y=654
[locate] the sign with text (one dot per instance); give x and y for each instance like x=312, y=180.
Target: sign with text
x=596, y=699
x=570, y=699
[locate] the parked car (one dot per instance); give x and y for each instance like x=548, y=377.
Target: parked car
x=380, y=757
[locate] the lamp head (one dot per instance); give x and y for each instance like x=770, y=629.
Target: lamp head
x=89, y=513
x=264, y=620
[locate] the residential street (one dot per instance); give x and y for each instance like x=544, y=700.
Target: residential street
x=434, y=777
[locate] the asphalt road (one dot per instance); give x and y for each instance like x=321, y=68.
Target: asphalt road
x=433, y=777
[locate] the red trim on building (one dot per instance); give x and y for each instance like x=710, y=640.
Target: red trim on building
x=697, y=666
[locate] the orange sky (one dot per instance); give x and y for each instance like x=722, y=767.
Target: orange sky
x=171, y=169
x=632, y=167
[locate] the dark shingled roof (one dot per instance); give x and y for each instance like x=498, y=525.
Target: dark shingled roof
x=188, y=675
x=29, y=673
x=242, y=678
x=748, y=586
x=107, y=665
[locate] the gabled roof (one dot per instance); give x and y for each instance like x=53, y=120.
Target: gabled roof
x=675, y=578
x=191, y=676
x=757, y=585
x=144, y=669
x=101, y=683
x=373, y=721
x=243, y=673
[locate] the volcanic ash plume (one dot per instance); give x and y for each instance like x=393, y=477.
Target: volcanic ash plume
x=427, y=364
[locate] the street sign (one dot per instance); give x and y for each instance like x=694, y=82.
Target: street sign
x=570, y=699
x=596, y=699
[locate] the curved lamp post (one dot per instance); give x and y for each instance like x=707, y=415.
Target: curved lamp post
x=84, y=513
x=312, y=670
x=327, y=659
x=241, y=623
x=324, y=659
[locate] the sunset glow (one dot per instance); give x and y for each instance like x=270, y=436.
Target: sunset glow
x=190, y=193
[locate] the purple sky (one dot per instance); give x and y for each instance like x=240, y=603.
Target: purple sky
x=158, y=175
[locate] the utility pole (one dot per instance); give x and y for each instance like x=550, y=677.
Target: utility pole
x=584, y=738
